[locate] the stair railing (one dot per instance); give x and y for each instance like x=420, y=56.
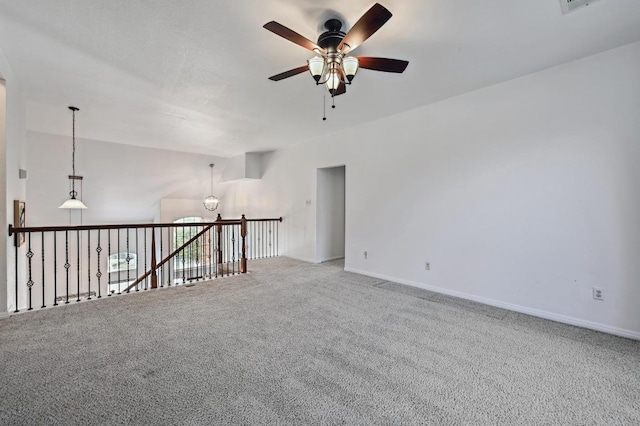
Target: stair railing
x=59, y=264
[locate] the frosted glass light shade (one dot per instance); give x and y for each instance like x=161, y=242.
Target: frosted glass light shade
x=333, y=81
x=211, y=203
x=350, y=66
x=73, y=203
x=316, y=67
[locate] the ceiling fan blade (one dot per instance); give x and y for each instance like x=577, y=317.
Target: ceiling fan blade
x=289, y=73
x=368, y=24
x=382, y=64
x=342, y=89
x=291, y=35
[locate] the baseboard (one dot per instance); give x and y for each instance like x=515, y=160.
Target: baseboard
x=304, y=259
x=4, y=315
x=328, y=259
x=565, y=319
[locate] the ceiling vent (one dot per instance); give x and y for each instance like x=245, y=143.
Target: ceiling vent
x=571, y=5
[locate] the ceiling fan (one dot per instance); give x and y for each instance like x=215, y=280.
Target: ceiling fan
x=332, y=66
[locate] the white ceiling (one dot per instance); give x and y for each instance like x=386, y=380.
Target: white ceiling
x=191, y=75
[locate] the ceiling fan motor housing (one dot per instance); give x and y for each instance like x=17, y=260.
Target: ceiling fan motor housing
x=330, y=39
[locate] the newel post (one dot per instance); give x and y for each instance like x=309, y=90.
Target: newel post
x=243, y=234
x=219, y=232
x=154, y=264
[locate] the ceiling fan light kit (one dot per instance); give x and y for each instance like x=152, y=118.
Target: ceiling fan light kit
x=332, y=65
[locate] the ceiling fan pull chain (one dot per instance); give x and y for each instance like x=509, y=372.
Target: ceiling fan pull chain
x=324, y=106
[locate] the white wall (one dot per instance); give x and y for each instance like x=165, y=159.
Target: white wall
x=523, y=194
x=174, y=209
x=330, y=210
x=122, y=183
x=12, y=158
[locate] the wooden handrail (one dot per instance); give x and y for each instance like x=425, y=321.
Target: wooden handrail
x=15, y=230
x=277, y=219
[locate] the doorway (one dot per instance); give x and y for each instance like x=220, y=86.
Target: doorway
x=330, y=214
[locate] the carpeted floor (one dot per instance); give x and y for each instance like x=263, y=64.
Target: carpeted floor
x=294, y=343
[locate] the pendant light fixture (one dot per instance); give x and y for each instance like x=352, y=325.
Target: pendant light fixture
x=73, y=202
x=211, y=202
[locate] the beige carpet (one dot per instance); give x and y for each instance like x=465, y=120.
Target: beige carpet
x=293, y=343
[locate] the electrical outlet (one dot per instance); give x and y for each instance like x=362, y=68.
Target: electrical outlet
x=427, y=266
x=598, y=293
x=365, y=255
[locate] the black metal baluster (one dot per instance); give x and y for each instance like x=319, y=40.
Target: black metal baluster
x=119, y=281
x=128, y=259
x=188, y=251
x=137, y=257
x=16, y=238
x=30, y=282
x=162, y=267
x=89, y=263
x=109, y=263
x=183, y=259
x=197, y=256
x=169, y=252
x=233, y=249
x=99, y=274
x=67, y=265
x=210, y=248
x=203, y=254
x=146, y=279
x=78, y=267
x=203, y=249
x=176, y=258
x=55, y=268
x=225, y=253
x=42, y=248
x=191, y=246
x=215, y=251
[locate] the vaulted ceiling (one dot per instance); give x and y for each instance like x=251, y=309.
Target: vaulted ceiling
x=192, y=75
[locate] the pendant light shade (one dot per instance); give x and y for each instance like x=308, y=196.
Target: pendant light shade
x=73, y=202
x=333, y=81
x=350, y=67
x=316, y=67
x=211, y=202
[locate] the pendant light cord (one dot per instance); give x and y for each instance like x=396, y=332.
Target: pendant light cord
x=73, y=192
x=73, y=137
x=211, y=165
